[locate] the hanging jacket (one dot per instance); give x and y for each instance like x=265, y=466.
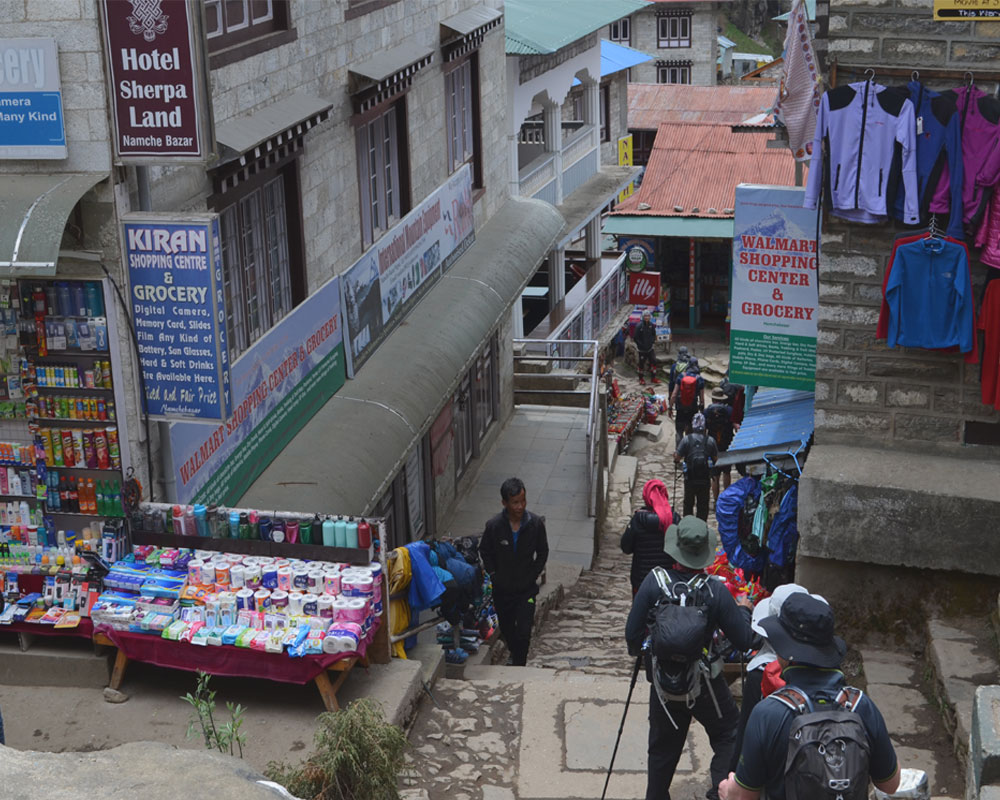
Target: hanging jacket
x=939, y=145
x=728, y=508
x=643, y=540
x=979, y=120
x=425, y=586
x=857, y=130
x=783, y=535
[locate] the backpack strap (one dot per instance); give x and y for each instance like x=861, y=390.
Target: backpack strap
x=797, y=700
x=849, y=697
x=663, y=580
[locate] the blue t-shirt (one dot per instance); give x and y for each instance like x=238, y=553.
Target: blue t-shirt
x=765, y=744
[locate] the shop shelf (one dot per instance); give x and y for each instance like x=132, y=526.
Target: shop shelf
x=74, y=389
x=61, y=420
x=83, y=469
x=19, y=497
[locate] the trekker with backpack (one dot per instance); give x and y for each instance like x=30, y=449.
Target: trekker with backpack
x=643, y=538
x=687, y=397
x=815, y=738
x=678, y=367
x=645, y=339
x=720, y=426
x=698, y=451
x=672, y=621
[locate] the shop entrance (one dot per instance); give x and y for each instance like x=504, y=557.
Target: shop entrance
x=710, y=261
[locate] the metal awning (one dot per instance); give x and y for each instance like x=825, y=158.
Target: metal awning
x=33, y=214
x=778, y=421
x=290, y=117
x=472, y=20
x=594, y=194
x=650, y=225
x=347, y=454
x=386, y=64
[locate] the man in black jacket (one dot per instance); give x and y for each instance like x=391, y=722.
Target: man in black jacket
x=691, y=543
x=645, y=339
x=514, y=550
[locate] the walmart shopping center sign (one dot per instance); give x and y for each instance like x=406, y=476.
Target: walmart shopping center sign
x=31, y=114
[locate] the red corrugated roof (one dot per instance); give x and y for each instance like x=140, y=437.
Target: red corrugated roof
x=650, y=104
x=698, y=166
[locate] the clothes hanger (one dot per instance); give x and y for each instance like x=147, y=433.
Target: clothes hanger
x=915, y=75
x=870, y=79
x=969, y=78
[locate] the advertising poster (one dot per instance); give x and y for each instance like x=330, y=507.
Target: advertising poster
x=775, y=293
x=400, y=267
x=278, y=385
x=31, y=110
x=156, y=73
x=175, y=274
x=644, y=288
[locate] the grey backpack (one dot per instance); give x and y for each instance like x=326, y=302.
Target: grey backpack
x=828, y=749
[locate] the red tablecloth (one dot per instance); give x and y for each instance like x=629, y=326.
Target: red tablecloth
x=85, y=630
x=225, y=660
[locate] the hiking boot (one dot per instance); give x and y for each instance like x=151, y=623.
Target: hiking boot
x=642, y=380
x=654, y=379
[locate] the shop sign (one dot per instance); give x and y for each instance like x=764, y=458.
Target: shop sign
x=175, y=274
x=966, y=9
x=384, y=284
x=278, y=385
x=774, y=289
x=638, y=252
x=31, y=112
x=625, y=160
x=155, y=55
x=644, y=288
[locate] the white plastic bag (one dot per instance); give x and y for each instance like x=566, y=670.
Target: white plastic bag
x=913, y=785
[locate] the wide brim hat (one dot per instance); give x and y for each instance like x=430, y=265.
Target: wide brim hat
x=691, y=543
x=718, y=394
x=771, y=606
x=803, y=633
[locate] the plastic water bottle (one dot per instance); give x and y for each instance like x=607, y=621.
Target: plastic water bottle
x=200, y=517
x=340, y=533
x=234, y=524
x=351, y=533
x=329, y=536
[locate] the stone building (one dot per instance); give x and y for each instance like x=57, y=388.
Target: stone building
x=682, y=37
x=333, y=122
x=902, y=487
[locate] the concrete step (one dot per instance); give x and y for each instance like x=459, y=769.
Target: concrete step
x=963, y=656
x=624, y=472
x=538, y=367
x=552, y=381
x=577, y=399
x=653, y=432
x=53, y=662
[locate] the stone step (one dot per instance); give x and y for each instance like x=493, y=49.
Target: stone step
x=624, y=472
x=653, y=432
x=537, y=367
x=53, y=662
x=963, y=656
x=576, y=399
x=553, y=381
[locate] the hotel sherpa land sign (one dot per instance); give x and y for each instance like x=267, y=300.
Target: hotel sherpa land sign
x=154, y=50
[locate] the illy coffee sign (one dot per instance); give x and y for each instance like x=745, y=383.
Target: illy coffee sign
x=644, y=288
x=155, y=55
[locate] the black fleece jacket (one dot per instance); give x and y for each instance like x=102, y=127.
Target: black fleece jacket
x=643, y=540
x=514, y=571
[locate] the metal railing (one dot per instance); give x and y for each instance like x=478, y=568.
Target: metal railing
x=548, y=350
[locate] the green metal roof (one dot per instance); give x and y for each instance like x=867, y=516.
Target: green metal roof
x=648, y=225
x=536, y=27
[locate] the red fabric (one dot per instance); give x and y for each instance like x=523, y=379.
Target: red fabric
x=882, y=329
x=85, y=630
x=989, y=322
x=655, y=496
x=771, y=680
x=238, y=662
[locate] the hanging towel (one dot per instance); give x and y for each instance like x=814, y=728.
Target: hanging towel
x=800, y=88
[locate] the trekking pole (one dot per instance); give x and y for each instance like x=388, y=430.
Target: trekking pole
x=635, y=674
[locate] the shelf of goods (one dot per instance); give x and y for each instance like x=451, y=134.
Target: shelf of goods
x=624, y=415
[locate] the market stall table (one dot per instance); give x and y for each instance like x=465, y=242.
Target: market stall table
x=227, y=660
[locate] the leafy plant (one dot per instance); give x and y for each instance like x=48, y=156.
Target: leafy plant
x=358, y=756
x=227, y=738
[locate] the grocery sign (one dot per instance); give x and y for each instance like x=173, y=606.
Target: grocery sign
x=31, y=113
x=154, y=51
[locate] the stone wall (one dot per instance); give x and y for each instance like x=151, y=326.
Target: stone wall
x=617, y=116
x=702, y=53
x=867, y=393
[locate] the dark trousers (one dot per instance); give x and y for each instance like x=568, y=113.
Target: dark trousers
x=666, y=743
x=682, y=421
x=751, y=696
x=647, y=359
x=693, y=493
x=517, y=615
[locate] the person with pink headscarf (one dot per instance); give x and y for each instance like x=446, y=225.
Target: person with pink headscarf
x=643, y=538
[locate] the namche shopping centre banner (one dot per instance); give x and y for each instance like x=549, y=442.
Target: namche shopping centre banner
x=278, y=385
x=775, y=294
x=399, y=268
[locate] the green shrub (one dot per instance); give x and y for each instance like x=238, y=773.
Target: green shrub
x=227, y=738
x=358, y=756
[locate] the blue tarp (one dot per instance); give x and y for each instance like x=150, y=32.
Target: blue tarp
x=616, y=57
x=779, y=420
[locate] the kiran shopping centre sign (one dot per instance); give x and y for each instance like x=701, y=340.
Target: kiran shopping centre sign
x=155, y=55
x=775, y=293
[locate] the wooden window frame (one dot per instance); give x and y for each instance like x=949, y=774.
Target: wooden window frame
x=665, y=70
x=252, y=39
x=358, y=8
x=669, y=34
x=370, y=233
x=619, y=24
x=471, y=60
x=605, y=112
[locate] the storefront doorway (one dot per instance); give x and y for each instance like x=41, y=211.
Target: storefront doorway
x=711, y=260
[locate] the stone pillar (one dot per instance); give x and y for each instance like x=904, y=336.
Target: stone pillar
x=553, y=142
x=592, y=108
x=515, y=181
x=517, y=318
x=593, y=238
x=557, y=276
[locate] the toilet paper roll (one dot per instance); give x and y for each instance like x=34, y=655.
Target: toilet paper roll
x=207, y=573
x=194, y=570
x=340, y=643
x=325, y=606
x=300, y=577
x=357, y=585
x=376, y=569
x=295, y=603
x=349, y=609
x=310, y=605
x=279, y=600
x=331, y=583
x=237, y=575
x=245, y=600
x=314, y=580
x=253, y=576
x=269, y=577
x=262, y=599
x=285, y=578
x=222, y=573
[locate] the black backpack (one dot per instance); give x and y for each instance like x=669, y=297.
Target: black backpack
x=680, y=631
x=698, y=470
x=828, y=749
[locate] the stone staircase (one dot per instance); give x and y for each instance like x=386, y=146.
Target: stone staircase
x=539, y=382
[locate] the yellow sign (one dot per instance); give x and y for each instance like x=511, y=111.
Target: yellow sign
x=966, y=9
x=625, y=160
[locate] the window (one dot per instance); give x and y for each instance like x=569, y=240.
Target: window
x=486, y=391
x=258, y=24
x=464, y=427
x=475, y=406
x=262, y=271
x=673, y=31
x=407, y=506
x=358, y=8
x=381, y=171
x=606, y=113
x=461, y=91
x=621, y=31
x=673, y=73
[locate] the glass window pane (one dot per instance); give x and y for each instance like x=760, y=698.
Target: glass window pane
x=252, y=257
x=261, y=10
x=213, y=18
x=237, y=15
x=235, y=307
x=280, y=278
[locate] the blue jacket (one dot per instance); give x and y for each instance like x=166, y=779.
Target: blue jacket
x=929, y=296
x=939, y=139
x=858, y=128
